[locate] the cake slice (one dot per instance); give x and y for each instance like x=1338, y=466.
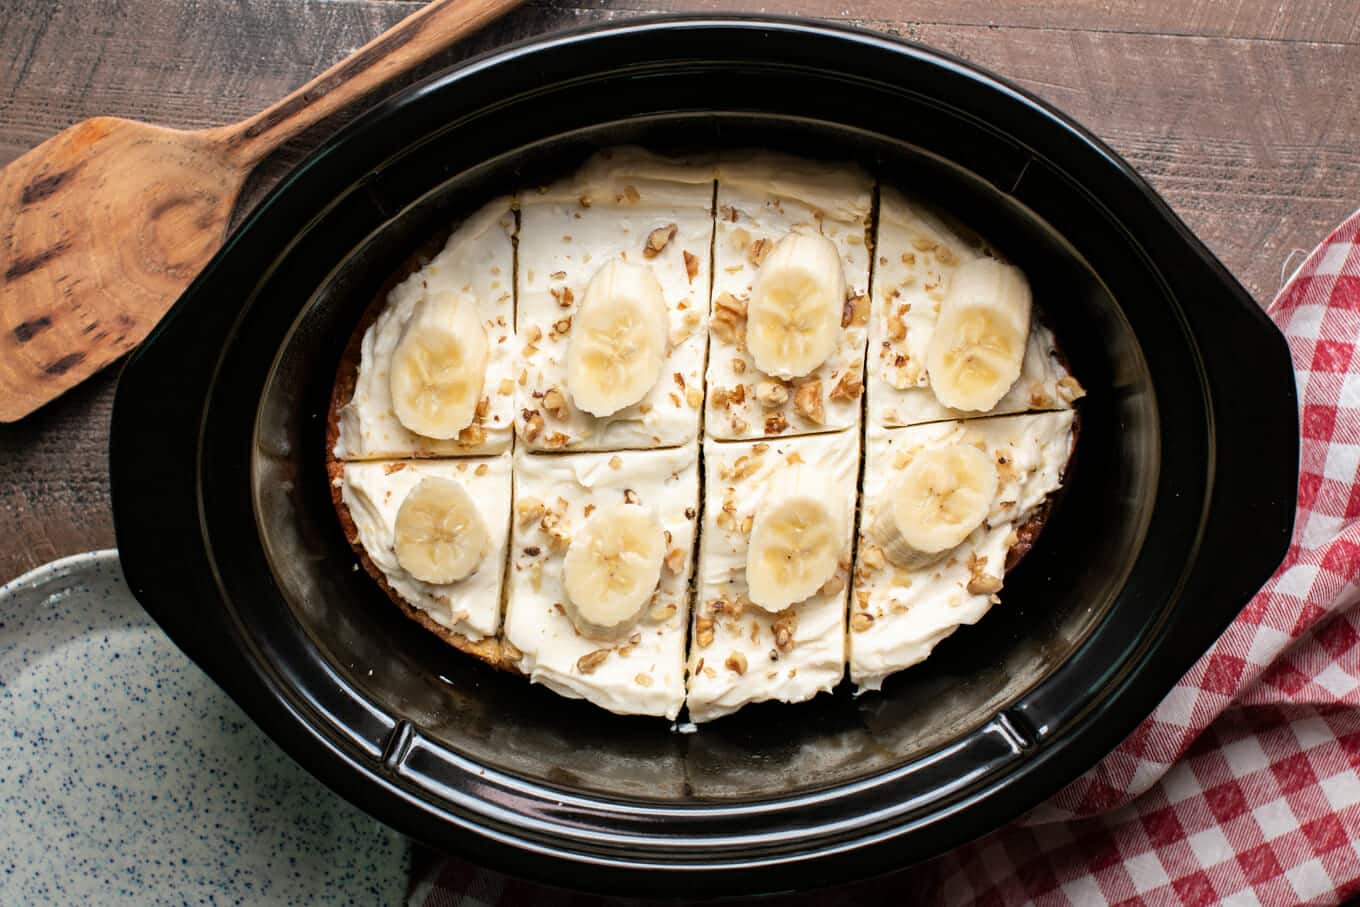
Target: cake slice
x=433, y=533
x=774, y=566
x=919, y=258
x=465, y=291
x=790, y=297
x=948, y=509
x=600, y=568
x=613, y=285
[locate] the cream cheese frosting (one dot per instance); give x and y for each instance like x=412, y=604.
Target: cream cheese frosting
x=373, y=491
x=478, y=259
x=620, y=205
x=761, y=198
x=741, y=653
x=898, y=615
x=917, y=256
x=642, y=673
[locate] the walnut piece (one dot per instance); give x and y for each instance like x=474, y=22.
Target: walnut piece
x=984, y=584
x=588, y=662
x=849, y=387
x=757, y=251
x=776, y=424
x=528, y=509
x=861, y=621
x=657, y=240
x=703, y=632
x=772, y=394
x=729, y=318
x=736, y=662
x=533, y=424
x=1070, y=389
x=556, y=403
x=691, y=264
x=807, y=400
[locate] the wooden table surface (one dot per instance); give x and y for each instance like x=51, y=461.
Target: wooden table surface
x=1245, y=114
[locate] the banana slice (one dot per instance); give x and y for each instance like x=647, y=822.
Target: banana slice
x=793, y=319
x=618, y=343
x=941, y=497
x=440, y=536
x=978, y=346
x=439, y=366
x=795, y=545
x=611, y=568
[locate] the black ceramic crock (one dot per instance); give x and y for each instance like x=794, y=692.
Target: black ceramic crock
x=1179, y=501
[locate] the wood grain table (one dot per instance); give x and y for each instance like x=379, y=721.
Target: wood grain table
x=1245, y=114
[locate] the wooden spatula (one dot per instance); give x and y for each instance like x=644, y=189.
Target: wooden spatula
x=104, y=225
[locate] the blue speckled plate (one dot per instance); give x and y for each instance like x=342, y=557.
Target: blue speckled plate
x=127, y=776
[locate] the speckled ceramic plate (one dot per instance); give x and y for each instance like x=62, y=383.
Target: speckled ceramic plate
x=127, y=776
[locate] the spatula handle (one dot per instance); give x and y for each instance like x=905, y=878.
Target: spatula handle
x=411, y=42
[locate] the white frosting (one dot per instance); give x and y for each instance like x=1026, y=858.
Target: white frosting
x=764, y=196
x=913, y=610
x=478, y=259
x=374, y=492
x=567, y=232
x=816, y=659
x=917, y=256
x=644, y=672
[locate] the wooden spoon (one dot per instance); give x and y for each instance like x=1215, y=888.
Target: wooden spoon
x=105, y=224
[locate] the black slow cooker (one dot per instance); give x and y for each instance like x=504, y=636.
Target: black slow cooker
x=1178, y=503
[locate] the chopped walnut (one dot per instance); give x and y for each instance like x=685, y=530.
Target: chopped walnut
x=1070, y=389
x=921, y=244
x=483, y=407
x=664, y=613
x=588, y=662
x=861, y=621
x=807, y=400
x=629, y=194
x=507, y=387
x=480, y=470
x=562, y=326
x=675, y=560
x=776, y=424
x=563, y=295
x=557, y=440
x=736, y=662
x=657, y=240
x=784, y=627
x=856, y=310
x=533, y=424
x=729, y=318
x=528, y=509
x=556, y=403
x=738, y=365
x=691, y=264
x=897, y=328
x=472, y=436
x=757, y=251
x=772, y=394
x=984, y=584
x=738, y=424
x=534, y=334
x=694, y=397
x=849, y=387
x=945, y=255
x=558, y=275
x=393, y=467
x=630, y=496
x=871, y=557
x=616, y=462
x=643, y=680
x=703, y=631
x=1039, y=399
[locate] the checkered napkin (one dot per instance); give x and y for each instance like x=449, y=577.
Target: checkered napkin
x=1243, y=787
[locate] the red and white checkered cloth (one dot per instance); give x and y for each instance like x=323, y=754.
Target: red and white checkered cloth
x=1243, y=787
